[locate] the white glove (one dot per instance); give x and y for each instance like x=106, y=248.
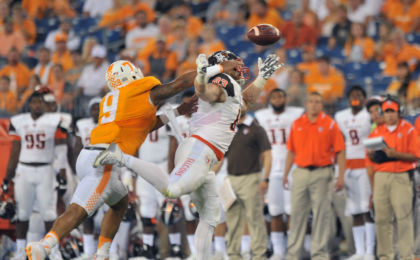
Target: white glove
x=201, y=62
x=267, y=67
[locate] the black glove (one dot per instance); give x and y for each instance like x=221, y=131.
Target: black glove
x=5, y=186
x=62, y=185
x=381, y=157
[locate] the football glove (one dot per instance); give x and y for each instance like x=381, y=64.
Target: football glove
x=267, y=67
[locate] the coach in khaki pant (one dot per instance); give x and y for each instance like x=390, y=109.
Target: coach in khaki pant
x=393, y=182
x=314, y=142
x=244, y=172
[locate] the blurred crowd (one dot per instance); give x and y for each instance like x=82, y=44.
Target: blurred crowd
x=62, y=45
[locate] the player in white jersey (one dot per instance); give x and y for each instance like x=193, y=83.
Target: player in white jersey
x=354, y=123
x=37, y=136
x=277, y=120
x=212, y=129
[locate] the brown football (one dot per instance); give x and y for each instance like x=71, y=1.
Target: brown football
x=263, y=34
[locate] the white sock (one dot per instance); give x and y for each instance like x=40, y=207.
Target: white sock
x=370, y=231
x=152, y=173
x=220, y=244
x=34, y=236
x=277, y=239
x=190, y=239
x=88, y=244
x=175, y=238
x=359, y=239
x=203, y=237
x=114, y=248
x=20, y=246
x=148, y=239
x=245, y=243
x=123, y=236
x=307, y=243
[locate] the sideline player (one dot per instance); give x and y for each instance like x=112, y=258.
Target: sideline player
x=127, y=115
x=354, y=123
x=38, y=137
x=277, y=120
x=212, y=129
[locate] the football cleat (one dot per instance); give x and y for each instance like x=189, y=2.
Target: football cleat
x=175, y=253
x=36, y=251
x=112, y=155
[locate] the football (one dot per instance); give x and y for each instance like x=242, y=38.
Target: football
x=263, y=34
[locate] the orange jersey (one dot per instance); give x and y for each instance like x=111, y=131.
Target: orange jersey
x=126, y=116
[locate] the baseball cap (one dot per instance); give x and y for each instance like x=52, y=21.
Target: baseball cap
x=390, y=104
x=60, y=37
x=98, y=51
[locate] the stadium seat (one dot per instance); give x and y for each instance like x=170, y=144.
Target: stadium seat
x=44, y=26
x=294, y=56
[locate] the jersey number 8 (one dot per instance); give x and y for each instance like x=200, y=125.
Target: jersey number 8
x=109, y=108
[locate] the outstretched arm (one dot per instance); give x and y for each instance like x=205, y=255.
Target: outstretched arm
x=161, y=92
x=266, y=68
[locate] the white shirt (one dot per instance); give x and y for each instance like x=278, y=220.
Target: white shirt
x=37, y=136
x=97, y=8
x=138, y=37
x=277, y=127
x=83, y=128
x=92, y=80
x=216, y=122
x=355, y=129
x=73, y=41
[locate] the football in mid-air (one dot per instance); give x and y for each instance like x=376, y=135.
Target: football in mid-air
x=263, y=34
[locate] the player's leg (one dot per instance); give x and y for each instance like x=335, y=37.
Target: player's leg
x=25, y=191
x=276, y=209
x=36, y=227
x=190, y=219
x=219, y=239
x=206, y=199
x=370, y=229
x=148, y=212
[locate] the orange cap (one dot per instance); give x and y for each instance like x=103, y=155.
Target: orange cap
x=60, y=37
x=390, y=104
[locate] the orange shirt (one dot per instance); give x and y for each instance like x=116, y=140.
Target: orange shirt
x=185, y=66
x=65, y=60
x=35, y=8
x=412, y=91
x=315, y=144
x=392, y=57
x=272, y=17
x=403, y=139
x=330, y=87
x=194, y=26
x=151, y=47
x=8, y=102
x=296, y=37
x=367, y=45
x=270, y=84
x=29, y=27
x=308, y=67
x=403, y=19
x=129, y=11
x=20, y=71
x=126, y=116
x=417, y=126
x=42, y=70
x=210, y=48
x=278, y=4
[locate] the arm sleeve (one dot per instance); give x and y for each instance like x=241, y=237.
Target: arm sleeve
x=337, y=137
x=223, y=81
x=262, y=139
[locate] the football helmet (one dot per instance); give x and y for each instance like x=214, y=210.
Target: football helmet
x=120, y=73
x=221, y=56
x=171, y=211
x=7, y=209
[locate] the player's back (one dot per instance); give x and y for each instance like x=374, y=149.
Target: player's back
x=355, y=129
x=37, y=136
x=126, y=116
x=216, y=122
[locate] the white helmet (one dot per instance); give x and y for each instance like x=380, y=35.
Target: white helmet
x=120, y=73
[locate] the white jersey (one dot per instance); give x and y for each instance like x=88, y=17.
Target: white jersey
x=37, y=136
x=83, y=128
x=155, y=147
x=355, y=129
x=184, y=125
x=216, y=122
x=277, y=127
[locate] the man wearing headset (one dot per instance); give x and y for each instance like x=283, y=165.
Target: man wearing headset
x=392, y=181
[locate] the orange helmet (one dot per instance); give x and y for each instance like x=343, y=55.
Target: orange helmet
x=120, y=73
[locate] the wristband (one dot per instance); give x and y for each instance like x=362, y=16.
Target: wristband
x=259, y=82
x=267, y=180
x=214, y=70
x=164, y=119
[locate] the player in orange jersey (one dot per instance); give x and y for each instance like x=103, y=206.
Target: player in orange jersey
x=127, y=115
